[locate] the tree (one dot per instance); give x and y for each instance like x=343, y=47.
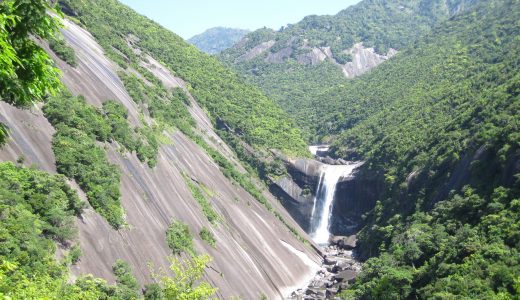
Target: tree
x=27, y=73
x=186, y=274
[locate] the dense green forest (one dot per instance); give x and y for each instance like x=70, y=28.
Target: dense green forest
x=226, y=97
x=440, y=125
x=216, y=39
x=302, y=89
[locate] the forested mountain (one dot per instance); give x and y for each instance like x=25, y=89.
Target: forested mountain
x=299, y=63
x=128, y=157
x=216, y=39
x=125, y=151
x=440, y=126
x=226, y=97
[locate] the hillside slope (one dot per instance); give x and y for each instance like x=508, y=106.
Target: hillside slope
x=438, y=125
x=257, y=250
x=297, y=65
x=217, y=39
x=128, y=37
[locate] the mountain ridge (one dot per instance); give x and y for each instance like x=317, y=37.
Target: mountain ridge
x=302, y=61
x=216, y=39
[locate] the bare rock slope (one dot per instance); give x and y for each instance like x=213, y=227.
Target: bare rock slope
x=255, y=253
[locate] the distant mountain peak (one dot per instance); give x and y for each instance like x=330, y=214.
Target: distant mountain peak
x=217, y=39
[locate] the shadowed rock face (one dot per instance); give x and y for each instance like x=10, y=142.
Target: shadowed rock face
x=255, y=254
x=355, y=195
x=295, y=200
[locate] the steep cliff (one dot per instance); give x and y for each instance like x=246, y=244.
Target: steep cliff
x=255, y=253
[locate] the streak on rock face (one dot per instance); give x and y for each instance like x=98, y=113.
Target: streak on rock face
x=30, y=134
x=95, y=77
x=249, y=259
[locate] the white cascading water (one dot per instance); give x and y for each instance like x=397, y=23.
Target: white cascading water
x=324, y=200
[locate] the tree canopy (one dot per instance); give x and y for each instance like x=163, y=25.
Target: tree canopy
x=27, y=73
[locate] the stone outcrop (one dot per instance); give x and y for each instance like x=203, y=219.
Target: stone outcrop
x=363, y=60
x=355, y=195
x=256, y=51
x=295, y=200
x=279, y=56
x=338, y=270
x=313, y=57
x=345, y=242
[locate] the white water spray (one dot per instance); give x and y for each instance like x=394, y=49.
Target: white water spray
x=324, y=200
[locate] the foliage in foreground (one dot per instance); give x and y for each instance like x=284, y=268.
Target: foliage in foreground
x=27, y=73
x=38, y=211
x=186, y=281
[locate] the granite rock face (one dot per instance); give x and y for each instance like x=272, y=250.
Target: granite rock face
x=256, y=51
x=255, y=254
x=363, y=60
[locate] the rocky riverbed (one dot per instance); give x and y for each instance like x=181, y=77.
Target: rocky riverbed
x=339, y=269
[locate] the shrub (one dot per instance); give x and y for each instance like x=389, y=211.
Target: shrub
x=78, y=157
x=74, y=254
x=207, y=236
x=207, y=209
x=63, y=51
x=179, y=238
x=127, y=286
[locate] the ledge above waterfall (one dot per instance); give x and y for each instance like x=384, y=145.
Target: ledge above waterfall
x=308, y=170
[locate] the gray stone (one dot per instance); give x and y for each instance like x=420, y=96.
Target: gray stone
x=344, y=242
x=320, y=293
x=347, y=276
x=330, y=260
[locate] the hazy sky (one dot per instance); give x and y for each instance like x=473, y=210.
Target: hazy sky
x=190, y=17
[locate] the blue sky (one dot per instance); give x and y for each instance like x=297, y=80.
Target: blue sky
x=190, y=17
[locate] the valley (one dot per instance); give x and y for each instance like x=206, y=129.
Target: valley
x=371, y=154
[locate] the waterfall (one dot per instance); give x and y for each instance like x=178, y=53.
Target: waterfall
x=324, y=200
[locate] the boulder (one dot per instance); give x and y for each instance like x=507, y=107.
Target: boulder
x=344, y=242
x=318, y=293
x=328, y=160
x=332, y=292
x=330, y=260
x=347, y=276
x=341, y=161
